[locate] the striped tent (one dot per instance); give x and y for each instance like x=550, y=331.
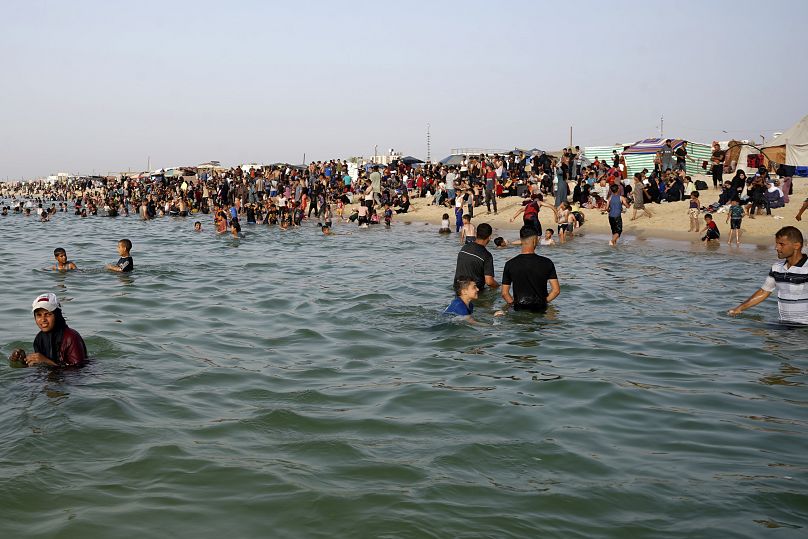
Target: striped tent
x=641, y=154
x=603, y=153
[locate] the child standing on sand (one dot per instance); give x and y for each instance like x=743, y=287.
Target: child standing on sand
x=469, y=232
x=734, y=218
x=693, y=212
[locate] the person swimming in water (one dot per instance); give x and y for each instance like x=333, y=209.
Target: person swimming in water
x=56, y=345
x=62, y=263
x=465, y=292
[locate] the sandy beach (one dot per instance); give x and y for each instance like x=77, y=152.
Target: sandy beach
x=669, y=221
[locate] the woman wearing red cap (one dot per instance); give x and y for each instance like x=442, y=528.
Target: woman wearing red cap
x=55, y=345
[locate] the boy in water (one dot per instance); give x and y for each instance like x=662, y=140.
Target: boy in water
x=388, y=215
x=458, y=218
x=465, y=292
x=469, y=232
x=198, y=226
x=125, y=263
x=711, y=229
x=62, y=263
x=548, y=238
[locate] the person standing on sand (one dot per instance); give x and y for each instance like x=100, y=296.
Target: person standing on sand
x=717, y=160
x=789, y=278
x=638, y=194
x=376, y=184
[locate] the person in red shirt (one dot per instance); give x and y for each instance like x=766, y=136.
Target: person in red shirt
x=56, y=345
x=711, y=229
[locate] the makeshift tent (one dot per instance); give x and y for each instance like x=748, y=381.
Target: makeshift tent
x=641, y=154
x=791, y=147
x=602, y=153
x=742, y=155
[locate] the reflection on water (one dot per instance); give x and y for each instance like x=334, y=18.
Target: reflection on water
x=295, y=385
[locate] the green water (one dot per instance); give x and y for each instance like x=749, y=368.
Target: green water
x=289, y=385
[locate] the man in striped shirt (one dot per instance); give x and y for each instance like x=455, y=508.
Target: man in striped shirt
x=789, y=278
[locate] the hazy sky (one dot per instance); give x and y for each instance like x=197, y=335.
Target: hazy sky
x=100, y=86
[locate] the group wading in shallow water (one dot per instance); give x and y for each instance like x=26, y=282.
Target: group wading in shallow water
x=326, y=194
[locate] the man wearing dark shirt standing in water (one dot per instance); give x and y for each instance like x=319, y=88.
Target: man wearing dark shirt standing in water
x=475, y=261
x=528, y=274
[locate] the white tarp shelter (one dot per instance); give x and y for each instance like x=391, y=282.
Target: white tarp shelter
x=791, y=147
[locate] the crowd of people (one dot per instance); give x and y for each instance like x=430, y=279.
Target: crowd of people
x=287, y=196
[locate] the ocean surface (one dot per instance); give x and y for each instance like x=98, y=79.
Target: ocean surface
x=291, y=385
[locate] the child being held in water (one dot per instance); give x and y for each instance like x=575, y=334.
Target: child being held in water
x=62, y=263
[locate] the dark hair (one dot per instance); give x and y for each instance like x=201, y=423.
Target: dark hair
x=613, y=188
x=126, y=243
x=791, y=233
x=527, y=232
x=696, y=193
x=484, y=231
x=710, y=215
x=58, y=251
x=467, y=216
x=498, y=241
x=462, y=282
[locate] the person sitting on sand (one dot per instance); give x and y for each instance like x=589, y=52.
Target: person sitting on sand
x=56, y=345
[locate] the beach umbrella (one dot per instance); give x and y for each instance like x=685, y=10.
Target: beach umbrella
x=452, y=160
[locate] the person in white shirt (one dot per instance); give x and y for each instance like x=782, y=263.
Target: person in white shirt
x=789, y=278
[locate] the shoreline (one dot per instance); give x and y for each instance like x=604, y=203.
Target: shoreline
x=669, y=222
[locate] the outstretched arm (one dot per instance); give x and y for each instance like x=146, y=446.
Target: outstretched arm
x=759, y=296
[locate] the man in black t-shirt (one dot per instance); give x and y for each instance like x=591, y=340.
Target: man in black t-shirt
x=528, y=274
x=475, y=261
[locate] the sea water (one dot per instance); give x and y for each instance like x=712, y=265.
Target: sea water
x=293, y=385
